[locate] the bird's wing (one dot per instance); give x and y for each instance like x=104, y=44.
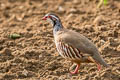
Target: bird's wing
x=76, y=40
x=80, y=42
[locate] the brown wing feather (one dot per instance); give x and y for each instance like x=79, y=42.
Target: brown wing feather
x=76, y=40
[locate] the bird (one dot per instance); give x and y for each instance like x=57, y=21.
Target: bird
x=73, y=46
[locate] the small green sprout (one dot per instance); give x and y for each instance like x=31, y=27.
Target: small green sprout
x=15, y=36
x=105, y=2
x=102, y=2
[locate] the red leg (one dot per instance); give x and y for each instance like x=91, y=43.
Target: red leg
x=76, y=69
x=99, y=67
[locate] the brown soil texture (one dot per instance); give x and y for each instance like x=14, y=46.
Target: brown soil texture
x=34, y=57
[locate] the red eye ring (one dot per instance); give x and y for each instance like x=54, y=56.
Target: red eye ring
x=48, y=16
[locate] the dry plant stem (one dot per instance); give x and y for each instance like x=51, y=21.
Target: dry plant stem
x=100, y=3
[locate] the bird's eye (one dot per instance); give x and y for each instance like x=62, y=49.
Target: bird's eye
x=48, y=16
x=51, y=18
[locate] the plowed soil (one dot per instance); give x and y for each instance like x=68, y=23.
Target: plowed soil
x=33, y=56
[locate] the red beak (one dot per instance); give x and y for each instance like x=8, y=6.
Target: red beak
x=44, y=18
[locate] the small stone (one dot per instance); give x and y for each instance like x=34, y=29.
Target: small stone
x=19, y=45
x=61, y=9
x=25, y=72
x=118, y=48
x=40, y=56
x=75, y=1
x=55, y=78
x=69, y=76
x=7, y=51
x=98, y=20
x=72, y=10
x=21, y=7
x=69, y=16
x=13, y=64
x=116, y=40
x=102, y=42
x=61, y=78
x=102, y=28
x=116, y=23
x=20, y=17
x=87, y=26
x=3, y=6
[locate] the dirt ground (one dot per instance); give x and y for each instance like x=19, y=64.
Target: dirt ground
x=34, y=56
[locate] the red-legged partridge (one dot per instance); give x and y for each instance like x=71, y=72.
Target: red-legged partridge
x=74, y=46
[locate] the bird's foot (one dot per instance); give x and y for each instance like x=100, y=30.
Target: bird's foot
x=74, y=72
x=99, y=67
x=76, y=69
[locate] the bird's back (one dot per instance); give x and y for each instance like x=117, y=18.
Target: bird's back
x=76, y=40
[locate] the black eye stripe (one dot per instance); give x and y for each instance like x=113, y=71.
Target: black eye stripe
x=54, y=18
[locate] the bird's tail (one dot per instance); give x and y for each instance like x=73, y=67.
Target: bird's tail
x=100, y=60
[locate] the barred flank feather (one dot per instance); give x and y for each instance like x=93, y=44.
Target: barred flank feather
x=68, y=51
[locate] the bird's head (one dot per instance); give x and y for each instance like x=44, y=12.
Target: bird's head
x=52, y=18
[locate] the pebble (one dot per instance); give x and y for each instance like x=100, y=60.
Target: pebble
x=69, y=17
x=21, y=7
x=25, y=72
x=7, y=51
x=3, y=6
x=75, y=1
x=102, y=42
x=116, y=24
x=98, y=19
x=73, y=10
x=20, y=18
x=116, y=40
x=40, y=56
x=88, y=26
x=118, y=48
x=61, y=9
x=102, y=28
